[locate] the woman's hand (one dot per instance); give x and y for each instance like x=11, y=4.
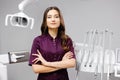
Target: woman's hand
x=39, y=58
x=68, y=55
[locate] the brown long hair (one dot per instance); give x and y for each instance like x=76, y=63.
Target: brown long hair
x=61, y=29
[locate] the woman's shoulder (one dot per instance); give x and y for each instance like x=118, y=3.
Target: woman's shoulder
x=68, y=37
x=39, y=37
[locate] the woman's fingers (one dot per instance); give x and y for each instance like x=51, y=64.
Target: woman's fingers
x=38, y=57
x=35, y=54
x=38, y=52
x=68, y=55
x=35, y=60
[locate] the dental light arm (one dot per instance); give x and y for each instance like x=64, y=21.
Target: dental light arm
x=22, y=5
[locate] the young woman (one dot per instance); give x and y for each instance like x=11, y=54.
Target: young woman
x=52, y=52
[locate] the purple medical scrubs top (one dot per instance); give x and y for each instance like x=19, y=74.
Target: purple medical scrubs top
x=51, y=50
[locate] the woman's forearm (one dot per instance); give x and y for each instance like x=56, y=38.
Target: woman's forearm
x=68, y=63
x=43, y=69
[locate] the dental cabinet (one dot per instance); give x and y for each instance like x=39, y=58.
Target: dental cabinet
x=11, y=58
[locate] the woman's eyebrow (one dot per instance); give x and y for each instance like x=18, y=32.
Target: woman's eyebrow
x=51, y=14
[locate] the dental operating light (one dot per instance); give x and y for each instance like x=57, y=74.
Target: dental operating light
x=20, y=19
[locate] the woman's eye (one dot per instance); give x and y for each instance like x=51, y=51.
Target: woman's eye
x=53, y=17
x=48, y=17
x=56, y=16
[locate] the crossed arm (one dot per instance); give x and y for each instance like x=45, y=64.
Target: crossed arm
x=66, y=62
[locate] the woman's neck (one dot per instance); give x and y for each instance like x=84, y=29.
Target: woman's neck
x=53, y=32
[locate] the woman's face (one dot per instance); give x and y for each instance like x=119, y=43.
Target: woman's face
x=53, y=19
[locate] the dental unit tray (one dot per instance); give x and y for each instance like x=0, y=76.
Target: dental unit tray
x=16, y=57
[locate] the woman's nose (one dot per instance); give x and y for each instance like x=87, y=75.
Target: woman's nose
x=53, y=19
